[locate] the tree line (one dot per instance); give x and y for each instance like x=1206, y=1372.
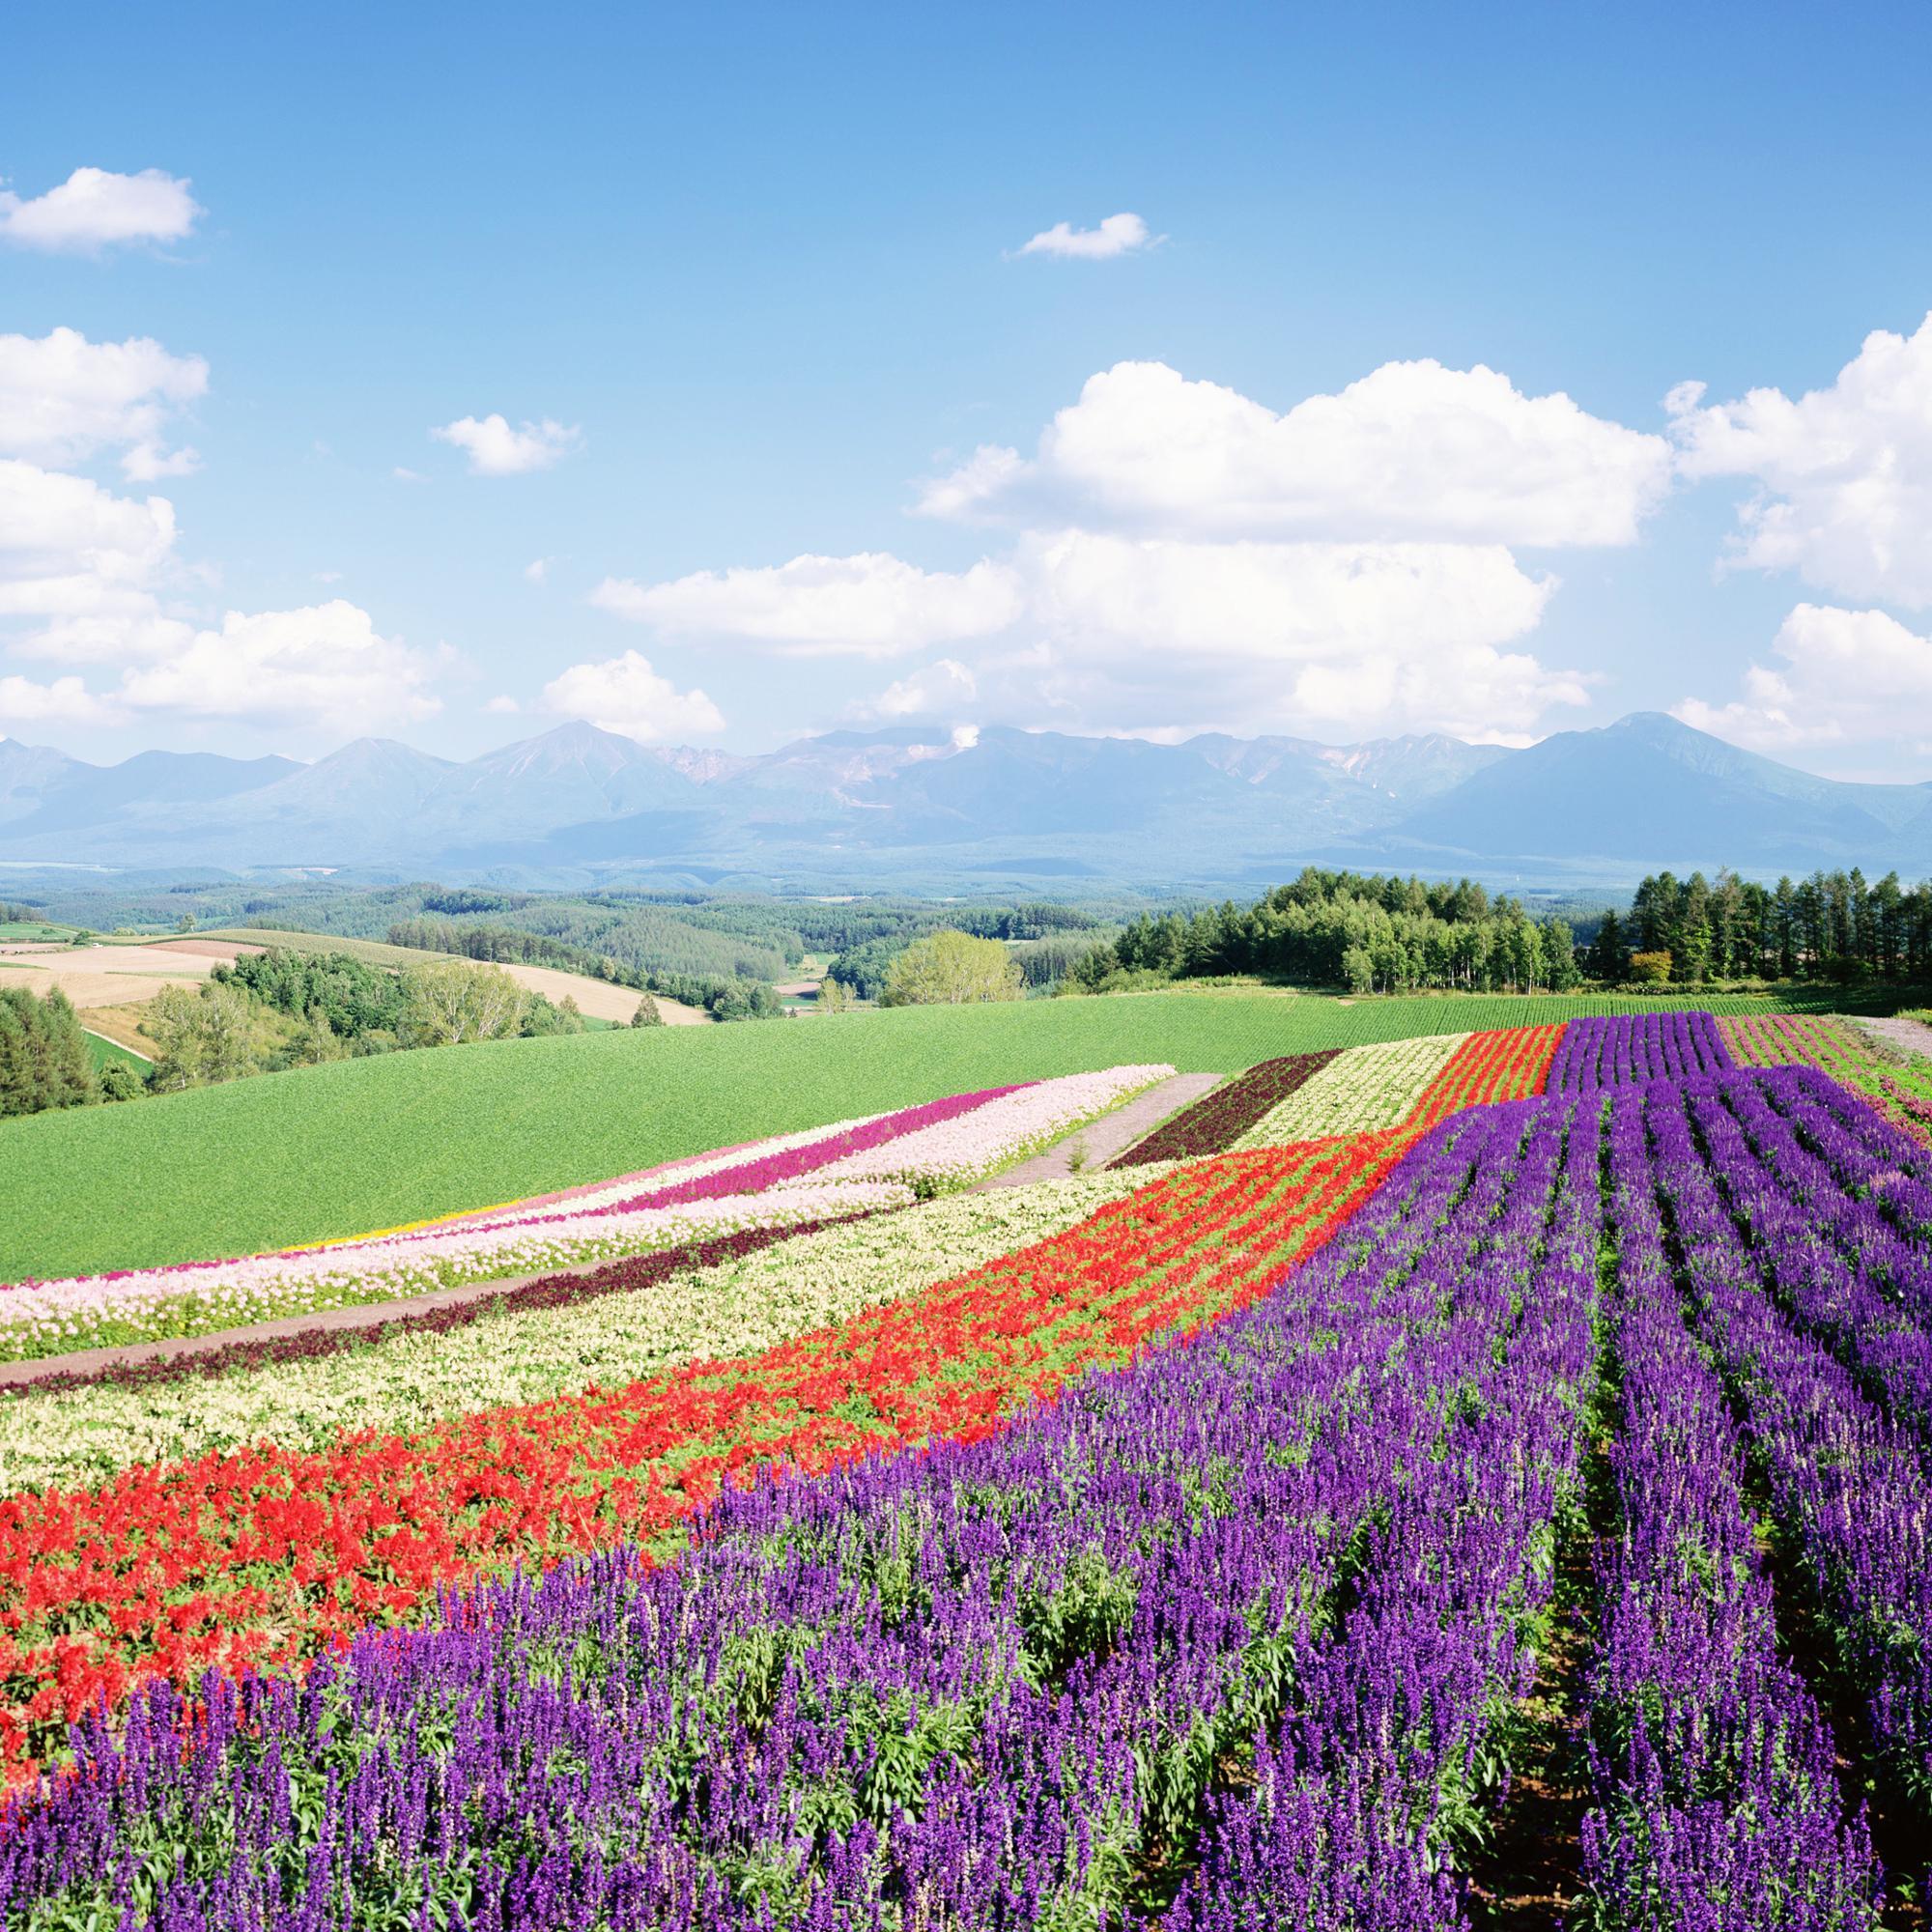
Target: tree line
x=1371, y=933
x=1831, y=925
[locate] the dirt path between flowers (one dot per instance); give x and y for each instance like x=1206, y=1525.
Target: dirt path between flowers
x=1091, y=1146
x=1913, y=1036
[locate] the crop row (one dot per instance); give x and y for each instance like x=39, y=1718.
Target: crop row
x=998, y=1685
x=1217, y=1120
x=878, y=1164
x=1633, y=1048
x=558, y=1337
x=1367, y=1090
x=1902, y=1093
x=268, y=1554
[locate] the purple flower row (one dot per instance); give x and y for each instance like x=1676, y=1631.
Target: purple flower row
x=1713, y=1767
x=1847, y=1479
x=1628, y=1050
x=983, y=1687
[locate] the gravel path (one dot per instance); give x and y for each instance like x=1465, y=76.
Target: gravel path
x=1913, y=1036
x=1110, y=1134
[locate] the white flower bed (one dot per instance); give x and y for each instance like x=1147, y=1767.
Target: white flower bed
x=61, y=1317
x=1359, y=1092
x=956, y=1152
x=412, y=1380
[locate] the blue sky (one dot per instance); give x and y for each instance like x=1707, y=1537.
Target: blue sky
x=761, y=270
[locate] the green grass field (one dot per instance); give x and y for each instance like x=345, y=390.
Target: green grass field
x=364, y=1144
x=371, y=951
x=109, y=1052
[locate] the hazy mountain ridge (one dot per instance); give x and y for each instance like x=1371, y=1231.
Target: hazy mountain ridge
x=582, y=803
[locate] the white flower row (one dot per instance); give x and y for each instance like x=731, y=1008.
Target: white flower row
x=92, y=1311
x=1360, y=1090
x=414, y=1381
x=955, y=1152
x=629, y=1187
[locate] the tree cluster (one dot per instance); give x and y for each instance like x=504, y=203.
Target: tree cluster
x=45, y=1059
x=1835, y=925
x=1371, y=933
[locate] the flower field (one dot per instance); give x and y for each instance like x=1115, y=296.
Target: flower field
x=1263, y=1532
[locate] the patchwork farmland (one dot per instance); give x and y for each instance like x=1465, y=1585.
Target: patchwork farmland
x=1433, y=1478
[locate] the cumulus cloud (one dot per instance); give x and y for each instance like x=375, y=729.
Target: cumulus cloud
x=1845, y=473
x=626, y=695
x=1151, y=634
x=937, y=691
x=1116, y=235
x=1412, y=451
x=503, y=705
x=78, y=558
x=63, y=399
x=496, y=450
x=537, y=570
x=94, y=209
x=67, y=700
x=1846, y=677
x=325, y=663
x=871, y=605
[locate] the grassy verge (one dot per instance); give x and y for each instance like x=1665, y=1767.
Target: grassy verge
x=340, y=1149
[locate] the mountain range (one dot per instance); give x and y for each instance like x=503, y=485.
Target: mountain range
x=866, y=810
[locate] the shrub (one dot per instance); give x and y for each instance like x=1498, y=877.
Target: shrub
x=1650, y=969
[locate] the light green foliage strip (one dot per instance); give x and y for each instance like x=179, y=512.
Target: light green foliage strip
x=409, y=1382
x=338, y=1150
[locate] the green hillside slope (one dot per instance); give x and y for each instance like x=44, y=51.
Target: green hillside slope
x=365, y=1143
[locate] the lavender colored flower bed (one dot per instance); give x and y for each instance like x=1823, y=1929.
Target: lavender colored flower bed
x=988, y=1685
x=1628, y=1050
x=1713, y=1768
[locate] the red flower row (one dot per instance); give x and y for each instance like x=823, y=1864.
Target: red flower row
x=263, y=1556
x=1508, y=1064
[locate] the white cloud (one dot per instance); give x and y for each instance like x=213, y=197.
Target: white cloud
x=496, y=450
x=1846, y=473
x=938, y=690
x=63, y=398
x=402, y=475
x=1116, y=235
x=625, y=695
x=871, y=605
x=1849, y=677
x=63, y=701
x=1154, y=634
x=1412, y=451
x=324, y=663
x=94, y=209
x=78, y=559
x=535, y=571
x=503, y=705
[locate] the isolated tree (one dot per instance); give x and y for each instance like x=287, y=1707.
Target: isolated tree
x=833, y=995
x=201, y=1038
x=951, y=969
x=186, y=922
x=449, y=1003
x=647, y=1014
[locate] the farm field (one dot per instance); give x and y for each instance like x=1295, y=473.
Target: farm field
x=597, y=999
x=1299, y=1529
x=360, y=1144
